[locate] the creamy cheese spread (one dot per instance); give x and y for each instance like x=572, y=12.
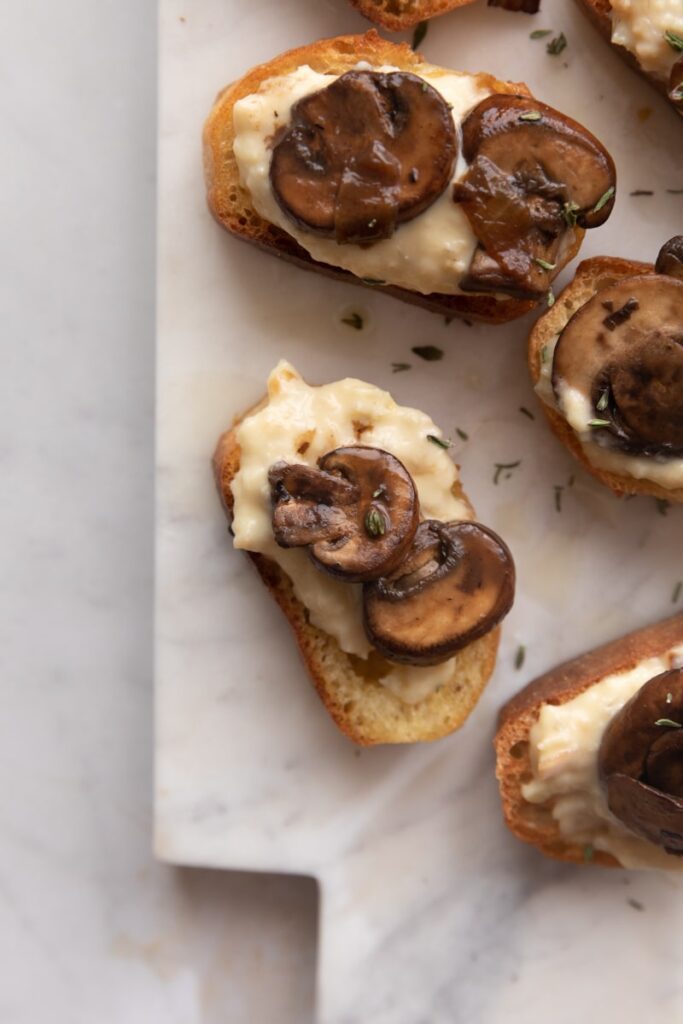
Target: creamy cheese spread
x=564, y=745
x=640, y=26
x=428, y=254
x=300, y=423
x=576, y=409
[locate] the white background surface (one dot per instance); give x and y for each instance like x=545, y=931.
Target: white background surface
x=430, y=910
x=92, y=931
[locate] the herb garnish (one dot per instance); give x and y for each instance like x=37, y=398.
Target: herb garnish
x=430, y=353
x=550, y=299
x=354, y=320
x=372, y=280
x=544, y=350
x=642, y=192
x=604, y=199
x=603, y=400
x=669, y=698
x=598, y=423
x=544, y=263
x=636, y=904
x=505, y=466
x=588, y=852
x=569, y=212
x=668, y=723
x=443, y=442
x=675, y=41
x=675, y=596
x=379, y=492
x=557, y=45
x=663, y=505
x=525, y=412
x=374, y=522
x=520, y=656
x=398, y=367
x=419, y=33
x=461, y=434
x=531, y=115
x=675, y=191
x=540, y=33
x=558, y=497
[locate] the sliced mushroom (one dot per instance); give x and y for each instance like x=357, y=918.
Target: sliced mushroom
x=455, y=584
x=670, y=258
x=357, y=512
x=367, y=153
x=534, y=175
x=623, y=350
x=640, y=762
x=676, y=85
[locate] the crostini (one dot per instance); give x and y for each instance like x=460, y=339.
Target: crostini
x=607, y=364
x=398, y=15
x=352, y=511
x=589, y=756
x=356, y=158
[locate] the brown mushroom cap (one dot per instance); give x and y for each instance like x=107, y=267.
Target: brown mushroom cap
x=670, y=258
x=357, y=513
x=534, y=174
x=676, y=85
x=624, y=350
x=363, y=155
x=640, y=762
x=455, y=584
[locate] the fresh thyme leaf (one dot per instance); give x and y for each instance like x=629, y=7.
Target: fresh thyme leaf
x=588, y=852
x=675, y=41
x=602, y=401
x=379, y=492
x=677, y=592
x=399, y=367
x=354, y=320
x=443, y=442
x=668, y=723
x=372, y=280
x=501, y=466
x=544, y=263
x=541, y=33
x=531, y=115
x=604, y=199
x=598, y=423
x=419, y=33
x=374, y=522
x=669, y=698
x=461, y=434
x=520, y=656
x=569, y=212
x=642, y=192
x=558, y=497
x=544, y=350
x=430, y=353
x=663, y=505
x=550, y=298
x=525, y=412
x=557, y=45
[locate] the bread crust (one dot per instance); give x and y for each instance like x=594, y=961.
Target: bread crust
x=229, y=201
x=398, y=15
x=532, y=823
x=591, y=277
x=362, y=708
x=599, y=13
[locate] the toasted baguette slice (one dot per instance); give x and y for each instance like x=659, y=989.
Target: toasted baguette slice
x=533, y=823
x=591, y=276
x=600, y=13
x=348, y=686
x=397, y=15
x=230, y=203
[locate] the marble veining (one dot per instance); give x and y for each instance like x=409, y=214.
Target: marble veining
x=430, y=911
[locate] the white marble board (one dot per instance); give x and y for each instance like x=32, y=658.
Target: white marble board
x=430, y=911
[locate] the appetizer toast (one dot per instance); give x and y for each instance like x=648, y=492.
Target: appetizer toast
x=534, y=822
x=397, y=15
x=645, y=432
x=432, y=237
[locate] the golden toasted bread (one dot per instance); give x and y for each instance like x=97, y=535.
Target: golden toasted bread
x=600, y=14
x=534, y=823
x=397, y=15
x=365, y=710
x=230, y=204
x=591, y=276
